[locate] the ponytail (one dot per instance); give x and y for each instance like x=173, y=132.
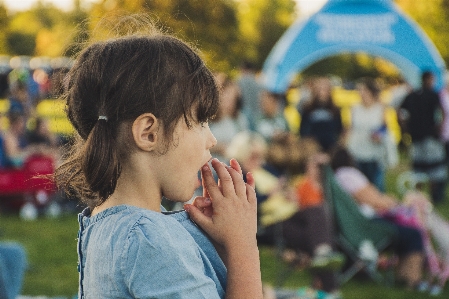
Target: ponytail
x=91, y=167
x=99, y=162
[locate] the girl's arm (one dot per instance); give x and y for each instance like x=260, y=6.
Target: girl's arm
x=232, y=224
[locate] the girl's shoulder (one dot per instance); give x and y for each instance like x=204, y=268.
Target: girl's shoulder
x=128, y=220
x=169, y=244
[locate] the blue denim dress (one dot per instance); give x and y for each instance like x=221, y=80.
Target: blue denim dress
x=129, y=252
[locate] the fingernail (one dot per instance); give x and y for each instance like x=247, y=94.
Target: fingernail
x=206, y=167
x=207, y=199
x=187, y=208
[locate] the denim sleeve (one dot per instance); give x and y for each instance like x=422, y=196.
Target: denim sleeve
x=158, y=264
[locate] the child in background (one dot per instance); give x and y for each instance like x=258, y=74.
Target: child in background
x=309, y=189
x=140, y=105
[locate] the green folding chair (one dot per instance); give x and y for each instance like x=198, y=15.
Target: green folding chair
x=359, y=237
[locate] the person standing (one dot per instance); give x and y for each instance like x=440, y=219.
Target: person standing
x=320, y=117
x=365, y=140
x=250, y=91
x=421, y=113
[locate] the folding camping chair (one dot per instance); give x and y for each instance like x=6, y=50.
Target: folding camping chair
x=359, y=237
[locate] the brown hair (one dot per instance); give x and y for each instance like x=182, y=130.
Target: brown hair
x=340, y=157
x=120, y=79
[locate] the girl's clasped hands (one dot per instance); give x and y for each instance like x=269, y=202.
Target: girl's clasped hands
x=227, y=211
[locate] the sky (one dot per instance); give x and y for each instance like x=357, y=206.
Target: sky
x=306, y=7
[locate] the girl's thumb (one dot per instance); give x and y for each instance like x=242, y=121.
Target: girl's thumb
x=197, y=216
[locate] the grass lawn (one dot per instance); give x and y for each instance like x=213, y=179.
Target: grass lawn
x=51, y=247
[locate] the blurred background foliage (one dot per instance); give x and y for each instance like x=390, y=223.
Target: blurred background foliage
x=227, y=31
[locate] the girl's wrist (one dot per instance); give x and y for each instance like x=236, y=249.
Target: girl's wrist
x=241, y=246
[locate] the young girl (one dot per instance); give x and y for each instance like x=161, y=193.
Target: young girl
x=140, y=105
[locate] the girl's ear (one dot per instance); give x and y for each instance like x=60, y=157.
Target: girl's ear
x=145, y=128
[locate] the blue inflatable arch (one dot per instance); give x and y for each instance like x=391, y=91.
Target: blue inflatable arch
x=376, y=27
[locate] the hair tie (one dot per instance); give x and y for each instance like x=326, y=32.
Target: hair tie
x=103, y=117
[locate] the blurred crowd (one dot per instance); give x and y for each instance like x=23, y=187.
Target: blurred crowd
x=287, y=165
x=24, y=82
x=251, y=126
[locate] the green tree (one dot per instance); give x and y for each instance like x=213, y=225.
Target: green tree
x=261, y=24
x=20, y=43
x=210, y=25
x=4, y=23
x=433, y=17
x=42, y=30
x=77, y=19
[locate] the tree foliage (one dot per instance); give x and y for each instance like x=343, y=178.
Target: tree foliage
x=433, y=17
x=4, y=23
x=261, y=24
x=43, y=30
x=209, y=25
x=226, y=31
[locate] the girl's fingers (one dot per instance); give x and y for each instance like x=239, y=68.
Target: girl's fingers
x=204, y=204
x=209, y=183
x=237, y=180
x=226, y=183
x=234, y=164
x=251, y=192
x=201, y=202
x=198, y=217
x=205, y=193
x=250, y=180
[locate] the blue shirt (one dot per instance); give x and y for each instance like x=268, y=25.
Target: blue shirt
x=129, y=252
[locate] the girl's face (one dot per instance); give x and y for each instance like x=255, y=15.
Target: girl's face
x=189, y=151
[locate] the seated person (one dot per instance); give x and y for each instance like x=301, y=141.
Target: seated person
x=309, y=188
x=14, y=143
x=304, y=230
x=41, y=140
x=40, y=134
x=374, y=204
x=19, y=99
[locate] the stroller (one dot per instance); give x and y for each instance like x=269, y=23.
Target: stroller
x=26, y=188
